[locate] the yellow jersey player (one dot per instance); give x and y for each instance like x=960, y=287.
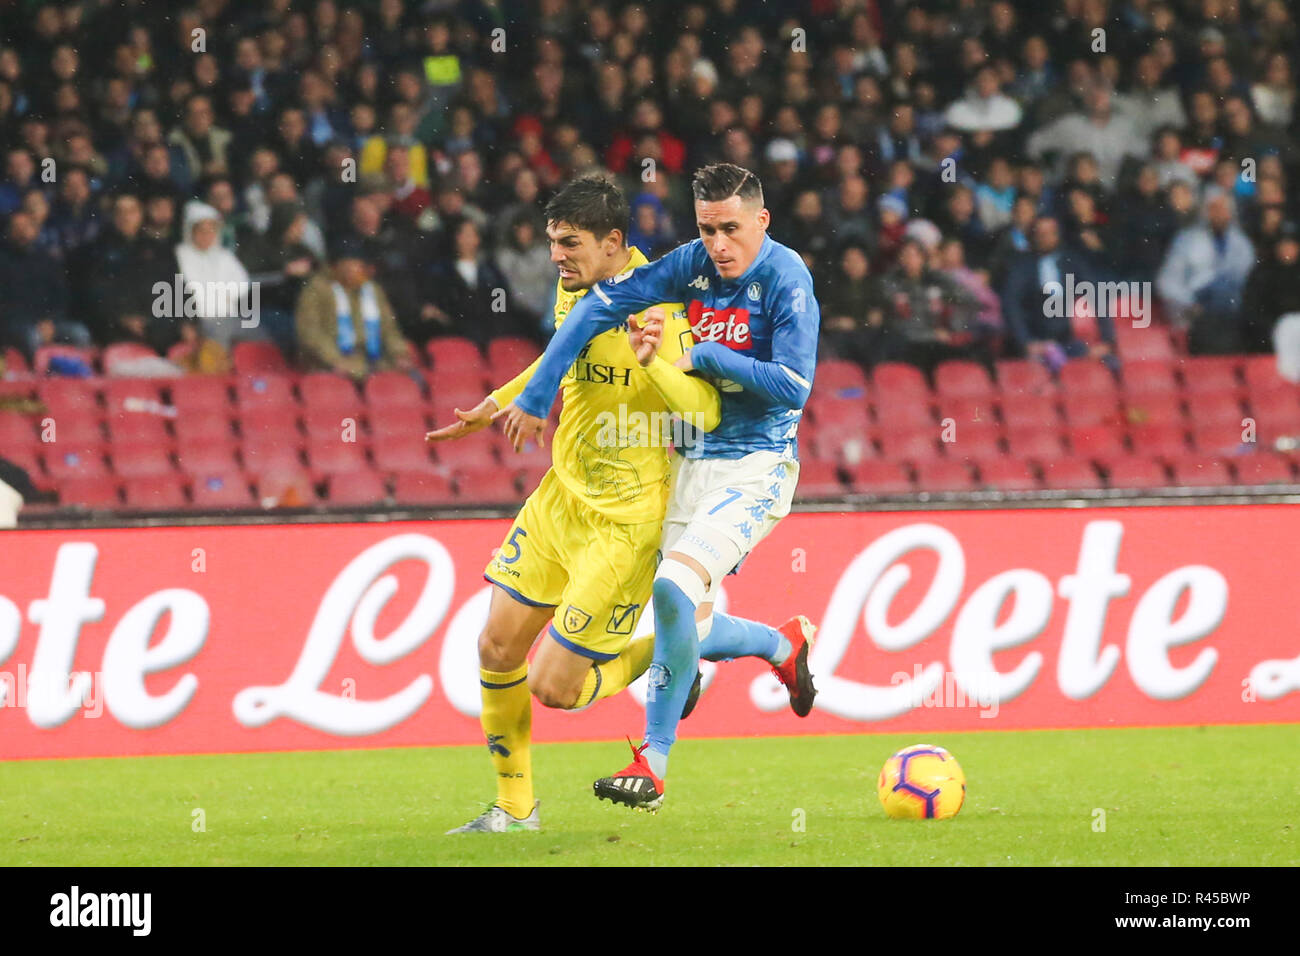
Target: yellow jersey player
x=581, y=552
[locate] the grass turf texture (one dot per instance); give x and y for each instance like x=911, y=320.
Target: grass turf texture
x=1191, y=796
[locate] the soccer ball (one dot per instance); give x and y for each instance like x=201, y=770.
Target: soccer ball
x=922, y=782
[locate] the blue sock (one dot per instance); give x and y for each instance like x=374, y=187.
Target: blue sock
x=733, y=637
x=676, y=660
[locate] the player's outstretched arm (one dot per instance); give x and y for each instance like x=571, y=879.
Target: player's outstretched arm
x=480, y=416
x=607, y=304
x=689, y=396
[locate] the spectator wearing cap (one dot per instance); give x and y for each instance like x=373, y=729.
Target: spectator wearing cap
x=213, y=277
x=1202, y=278
x=781, y=179
x=1039, y=323
x=344, y=321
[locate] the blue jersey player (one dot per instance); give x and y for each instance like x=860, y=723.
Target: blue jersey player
x=755, y=322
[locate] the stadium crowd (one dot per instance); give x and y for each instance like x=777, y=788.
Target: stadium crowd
x=379, y=168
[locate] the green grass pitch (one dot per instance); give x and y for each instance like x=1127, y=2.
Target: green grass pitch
x=1180, y=796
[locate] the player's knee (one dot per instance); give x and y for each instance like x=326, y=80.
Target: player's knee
x=498, y=652
x=677, y=584
x=552, y=691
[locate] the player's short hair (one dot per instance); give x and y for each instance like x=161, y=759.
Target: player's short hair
x=719, y=181
x=592, y=204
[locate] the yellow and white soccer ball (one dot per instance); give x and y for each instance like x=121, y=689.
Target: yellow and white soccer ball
x=922, y=782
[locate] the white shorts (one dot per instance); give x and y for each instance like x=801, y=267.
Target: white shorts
x=721, y=508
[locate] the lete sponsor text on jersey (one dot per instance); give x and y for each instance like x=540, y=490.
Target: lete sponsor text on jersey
x=727, y=326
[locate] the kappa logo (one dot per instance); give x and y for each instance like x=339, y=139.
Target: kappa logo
x=622, y=618
x=700, y=282
x=575, y=619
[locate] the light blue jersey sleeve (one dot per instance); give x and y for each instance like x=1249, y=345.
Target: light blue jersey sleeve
x=606, y=305
x=786, y=380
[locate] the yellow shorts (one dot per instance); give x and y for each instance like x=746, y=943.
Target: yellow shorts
x=597, y=574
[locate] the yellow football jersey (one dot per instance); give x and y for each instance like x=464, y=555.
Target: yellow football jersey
x=611, y=448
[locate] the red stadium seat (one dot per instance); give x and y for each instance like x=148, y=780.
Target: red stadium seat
x=69, y=394
x=510, y=355
x=265, y=390
x=331, y=424
x=1149, y=376
x=284, y=489
x=400, y=421
x=1159, y=441
x=1070, y=474
x=1025, y=410
x=401, y=453
x=195, y=393
x=819, y=480
x=422, y=488
x=963, y=380
x=1153, y=408
x=827, y=408
x=1036, y=444
x=895, y=413
x=89, y=492
x=205, y=425
x=156, y=493
x=121, y=392
x=356, y=488
x=1194, y=472
x=201, y=457
x=494, y=486
x=459, y=388
x=838, y=378
x=1260, y=372
x=910, y=445
x=474, y=451
x=1213, y=408
x=1093, y=442
x=221, y=490
x=15, y=361
x=138, y=428
x=1020, y=376
x=1091, y=408
x=17, y=430
x=1151, y=343
x=453, y=351
x=252, y=358
x=1224, y=438
x=72, y=425
x=64, y=460
x=1263, y=468
x=1211, y=373
x=968, y=410
x=325, y=391
x=1087, y=377
x=1008, y=475
x=944, y=476
x=973, y=441
x=270, y=424
x=140, y=461
x=18, y=388
x=261, y=457
x=391, y=390
x=28, y=460
x=1133, y=472
x=879, y=478
x=334, y=456
x=895, y=380
x=530, y=476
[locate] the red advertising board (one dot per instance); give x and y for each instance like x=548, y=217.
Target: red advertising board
x=256, y=638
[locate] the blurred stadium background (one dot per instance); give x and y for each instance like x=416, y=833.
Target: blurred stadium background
x=934, y=162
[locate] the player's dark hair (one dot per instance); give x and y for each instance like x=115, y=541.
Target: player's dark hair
x=719, y=181
x=592, y=204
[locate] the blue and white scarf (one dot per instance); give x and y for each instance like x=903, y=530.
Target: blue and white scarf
x=347, y=334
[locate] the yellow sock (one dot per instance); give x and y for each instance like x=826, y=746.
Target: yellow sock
x=605, y=680
x=507, y=720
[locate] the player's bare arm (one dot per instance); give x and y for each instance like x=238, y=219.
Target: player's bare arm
x=475, y=420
